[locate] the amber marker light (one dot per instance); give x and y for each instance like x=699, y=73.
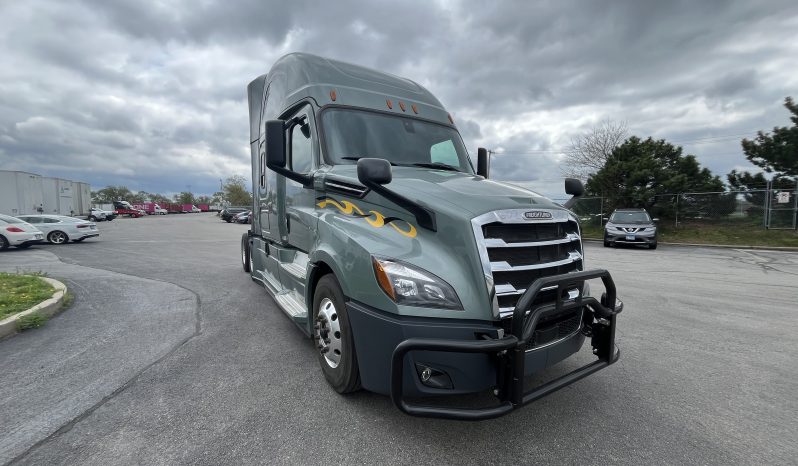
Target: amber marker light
x=402, y=105
x=389, y=103
x=382, y=279
x=333, y=95
x=415, y=109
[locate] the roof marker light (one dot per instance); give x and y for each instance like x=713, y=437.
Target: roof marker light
x=415, y=109
x=333, y=95
x=389, y=103
x=402, y=105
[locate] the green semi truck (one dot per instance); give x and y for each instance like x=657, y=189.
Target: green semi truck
x=415, y=274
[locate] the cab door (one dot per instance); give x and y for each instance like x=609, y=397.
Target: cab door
x=302, y=157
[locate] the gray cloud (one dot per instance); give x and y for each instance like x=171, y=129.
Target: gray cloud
x=153, y=95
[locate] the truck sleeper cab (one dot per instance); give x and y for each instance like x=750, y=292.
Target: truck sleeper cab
x=415, y=274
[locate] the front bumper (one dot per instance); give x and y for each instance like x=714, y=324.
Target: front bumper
x=620, y=237
x=476, y=356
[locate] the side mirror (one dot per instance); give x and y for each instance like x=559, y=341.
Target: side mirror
x=374, y=171
x=483, y=162
x=655, y=219
x=574, y=187
x=276, y=153
x=275, y=144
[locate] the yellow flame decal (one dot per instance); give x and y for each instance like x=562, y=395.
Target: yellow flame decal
x=378, y=220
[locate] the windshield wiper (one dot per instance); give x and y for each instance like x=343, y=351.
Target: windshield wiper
x=438, y=165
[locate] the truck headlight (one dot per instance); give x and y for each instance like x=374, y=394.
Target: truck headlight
x=411, y=286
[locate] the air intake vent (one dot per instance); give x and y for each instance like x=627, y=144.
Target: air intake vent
x=343, y=187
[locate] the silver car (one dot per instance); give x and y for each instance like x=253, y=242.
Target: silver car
x=15, y=232
x=630, y=226
x=59, y=229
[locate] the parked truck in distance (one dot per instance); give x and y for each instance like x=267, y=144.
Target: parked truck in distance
x=189, y=209
x=151, y=208
x=415, y=274
x=125, y=208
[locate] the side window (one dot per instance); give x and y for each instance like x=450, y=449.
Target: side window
x=444, y=152
x=301, y=147
x=31, y=219
x=50, y=220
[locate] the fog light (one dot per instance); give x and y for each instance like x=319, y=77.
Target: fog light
x=432, y=377
x=426, y=374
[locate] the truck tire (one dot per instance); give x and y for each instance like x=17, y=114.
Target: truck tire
x=246, y=256
x=333, y=336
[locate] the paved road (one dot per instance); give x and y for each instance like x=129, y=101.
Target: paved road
x=707, y=373
x=117, y=326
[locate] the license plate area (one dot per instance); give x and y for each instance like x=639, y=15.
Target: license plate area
x=630, y=237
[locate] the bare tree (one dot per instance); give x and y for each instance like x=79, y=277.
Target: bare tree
x=588, y=152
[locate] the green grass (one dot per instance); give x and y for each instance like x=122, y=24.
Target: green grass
x=20, y=292
x=736, y=234
x=32, y=320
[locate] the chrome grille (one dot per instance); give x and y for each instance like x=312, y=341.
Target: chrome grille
x=516, y=250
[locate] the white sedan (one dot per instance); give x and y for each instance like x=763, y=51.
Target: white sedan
x=15, y=232
x=60, y=229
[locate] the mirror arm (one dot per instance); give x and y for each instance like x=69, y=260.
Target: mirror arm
x=305, y=180
x=570, y=202
x=424, y=216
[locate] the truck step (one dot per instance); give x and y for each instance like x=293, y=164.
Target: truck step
x=291, y=305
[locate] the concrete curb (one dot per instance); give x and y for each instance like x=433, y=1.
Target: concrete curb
x=46, y=308
x=726, y=246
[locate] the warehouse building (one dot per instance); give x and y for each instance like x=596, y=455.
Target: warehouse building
x=28, y=193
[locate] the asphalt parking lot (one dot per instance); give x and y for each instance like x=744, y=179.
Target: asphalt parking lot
x=708, y=371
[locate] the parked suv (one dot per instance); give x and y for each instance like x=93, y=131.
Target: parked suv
x=630, y=226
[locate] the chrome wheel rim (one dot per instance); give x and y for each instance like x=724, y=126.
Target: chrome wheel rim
x=243, y=255
x=328, y=333
x=57, y=237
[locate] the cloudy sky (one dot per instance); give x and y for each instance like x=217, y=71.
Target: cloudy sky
x=152, y=94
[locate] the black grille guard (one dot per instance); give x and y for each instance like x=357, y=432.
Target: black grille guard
x=510, y=350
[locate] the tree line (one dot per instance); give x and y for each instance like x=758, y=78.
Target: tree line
x=234, y=192
x=629, y=171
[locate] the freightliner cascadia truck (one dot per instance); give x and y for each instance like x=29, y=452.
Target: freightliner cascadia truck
x=415, y=274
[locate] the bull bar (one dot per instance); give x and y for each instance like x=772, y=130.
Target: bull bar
x=510, y=350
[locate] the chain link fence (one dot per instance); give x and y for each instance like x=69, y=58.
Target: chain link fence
x=765, y=208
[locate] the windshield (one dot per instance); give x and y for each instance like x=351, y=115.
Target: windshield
x=630, y=217
x=353, y=134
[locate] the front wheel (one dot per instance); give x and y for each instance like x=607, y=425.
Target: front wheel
x=652, y=246
x=3, y=243
x=333, y=336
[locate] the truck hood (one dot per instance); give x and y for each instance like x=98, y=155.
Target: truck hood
x=441, y=189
